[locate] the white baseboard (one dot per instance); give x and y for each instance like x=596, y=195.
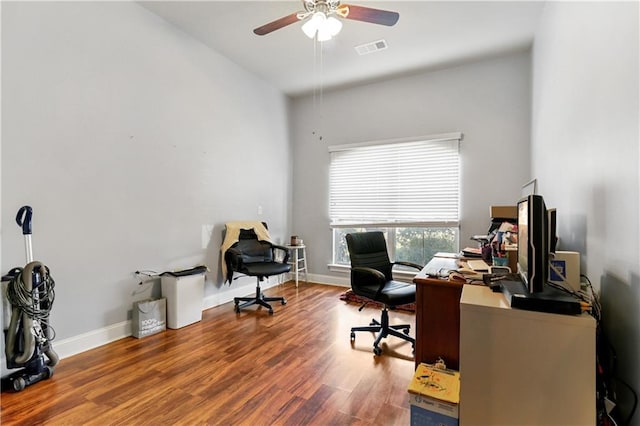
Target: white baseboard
x=92, y=339
x=222, y=297
x=330, y=280
x=83, y=342
x=227, y=292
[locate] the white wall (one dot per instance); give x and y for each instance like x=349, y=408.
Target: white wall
x=585, y=153
x=126, y=136
x=488, y=100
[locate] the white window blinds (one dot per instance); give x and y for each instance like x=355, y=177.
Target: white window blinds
x=396, y=182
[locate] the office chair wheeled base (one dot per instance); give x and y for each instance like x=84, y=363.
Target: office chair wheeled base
x=384, y=329
x=258, y=299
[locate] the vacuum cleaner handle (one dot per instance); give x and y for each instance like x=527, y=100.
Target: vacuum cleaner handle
x=24, y=219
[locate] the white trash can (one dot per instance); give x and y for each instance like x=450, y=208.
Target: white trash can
x=184, y=292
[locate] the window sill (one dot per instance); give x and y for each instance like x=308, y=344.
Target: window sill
x=334, y=267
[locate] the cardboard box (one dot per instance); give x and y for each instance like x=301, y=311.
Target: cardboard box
x=503, y=212
x=564, y=269
x=421, y=416
x=434, y=395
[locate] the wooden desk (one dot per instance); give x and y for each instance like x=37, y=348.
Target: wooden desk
x=438, y=315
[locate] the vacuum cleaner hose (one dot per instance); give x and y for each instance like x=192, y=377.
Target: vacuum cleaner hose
x=52, y=355
x=34, y=306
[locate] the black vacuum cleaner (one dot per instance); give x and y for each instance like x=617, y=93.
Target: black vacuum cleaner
x=28, y=335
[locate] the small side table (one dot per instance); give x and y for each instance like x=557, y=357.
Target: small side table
x=299, y=261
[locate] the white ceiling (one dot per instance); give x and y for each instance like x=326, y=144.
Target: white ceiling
x=429, y=34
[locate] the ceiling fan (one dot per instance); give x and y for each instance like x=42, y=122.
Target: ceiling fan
x=321, y=18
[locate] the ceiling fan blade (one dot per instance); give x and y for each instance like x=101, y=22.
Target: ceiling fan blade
x=277, y=24
x=367, y=14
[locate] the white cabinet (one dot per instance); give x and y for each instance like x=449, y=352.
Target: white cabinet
x=522, y=367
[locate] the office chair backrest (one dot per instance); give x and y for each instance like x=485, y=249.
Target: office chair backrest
x=369, y=249
x=253, y=251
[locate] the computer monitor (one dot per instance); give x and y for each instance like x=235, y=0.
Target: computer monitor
x=533, y=242
x=553, y=236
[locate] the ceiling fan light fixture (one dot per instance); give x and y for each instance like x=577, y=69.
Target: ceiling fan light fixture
x=324, y=27
x=314, y=24
x=323, y=34
x=333, y=25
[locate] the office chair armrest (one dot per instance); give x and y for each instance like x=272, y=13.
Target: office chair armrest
x=409, y=264
x=374, y=275
x=233, y=257
x=284, y=249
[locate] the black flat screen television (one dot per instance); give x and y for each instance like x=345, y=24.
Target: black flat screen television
x=536, y=240
x=533, y=242
x=553, y=237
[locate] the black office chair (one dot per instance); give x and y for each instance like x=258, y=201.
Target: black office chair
x=255, y=258
x=371, y=277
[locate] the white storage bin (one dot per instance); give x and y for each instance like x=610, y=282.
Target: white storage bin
x=184, y=299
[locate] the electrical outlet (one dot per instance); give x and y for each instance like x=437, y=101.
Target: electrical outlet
x=259, y=210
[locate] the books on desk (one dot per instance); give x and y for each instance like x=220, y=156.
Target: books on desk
x=442, y=264
x=471, y=252
x=478, y=265
x=441, y=267
x=470, y=274
x=473, y=269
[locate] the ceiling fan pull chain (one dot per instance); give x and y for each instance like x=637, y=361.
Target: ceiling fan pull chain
x=318, y=68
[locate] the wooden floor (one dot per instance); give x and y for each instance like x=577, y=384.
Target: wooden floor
x=296, y=367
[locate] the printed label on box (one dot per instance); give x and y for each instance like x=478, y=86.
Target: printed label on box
x=558, y=266
x=423, y=417
x=448, y=409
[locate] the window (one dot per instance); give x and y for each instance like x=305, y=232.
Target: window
x=408, y=189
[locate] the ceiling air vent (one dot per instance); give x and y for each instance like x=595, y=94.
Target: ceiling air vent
x=374, y=46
